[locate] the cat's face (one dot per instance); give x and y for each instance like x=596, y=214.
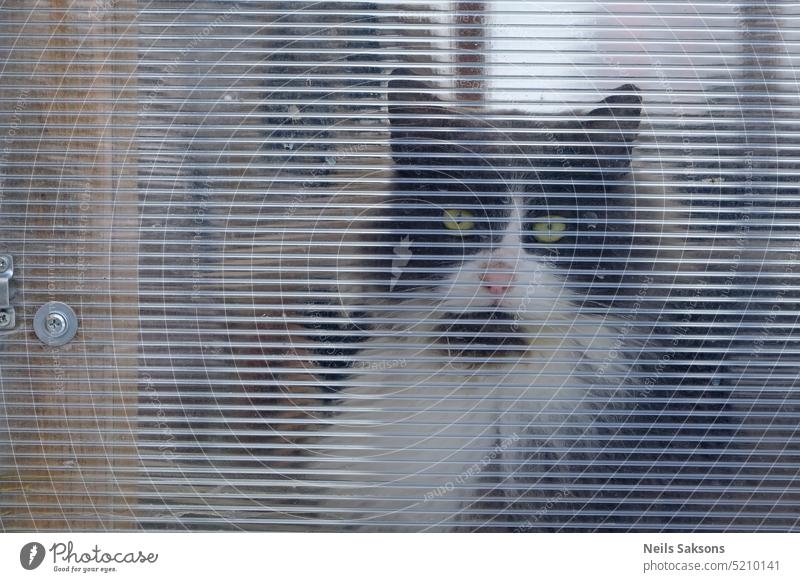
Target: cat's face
x=491, y=213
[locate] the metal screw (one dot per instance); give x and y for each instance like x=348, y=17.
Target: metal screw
x=5, y=319
x=4, y=263
x=56, y=324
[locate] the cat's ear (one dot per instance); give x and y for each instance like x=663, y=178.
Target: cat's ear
x=617, y=121
x=419, y=125
x=607, y=134
x=408, y=95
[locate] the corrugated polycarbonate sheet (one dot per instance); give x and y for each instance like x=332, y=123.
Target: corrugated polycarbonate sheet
x=504, y=266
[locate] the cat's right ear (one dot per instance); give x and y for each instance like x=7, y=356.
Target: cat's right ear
x=409, y=95
x=418, y=125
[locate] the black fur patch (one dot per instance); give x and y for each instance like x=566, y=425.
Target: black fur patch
x=467, y=335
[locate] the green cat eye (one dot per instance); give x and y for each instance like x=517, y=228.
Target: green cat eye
x=458, y=220
x=550, y=229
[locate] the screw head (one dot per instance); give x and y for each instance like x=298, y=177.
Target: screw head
x=55, y=323
x=5, y=319
x=4, y=263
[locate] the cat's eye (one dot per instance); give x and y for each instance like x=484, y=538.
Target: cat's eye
x=458, y=220
x=550, y=229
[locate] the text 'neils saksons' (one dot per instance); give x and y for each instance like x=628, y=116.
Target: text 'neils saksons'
x=665, y=548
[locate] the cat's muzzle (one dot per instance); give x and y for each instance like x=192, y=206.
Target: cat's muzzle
x=489, y=335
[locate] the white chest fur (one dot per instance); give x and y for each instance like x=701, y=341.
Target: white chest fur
x=414, y=434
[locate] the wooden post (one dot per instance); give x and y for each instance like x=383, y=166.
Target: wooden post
x=470, y=44
x=70, y=220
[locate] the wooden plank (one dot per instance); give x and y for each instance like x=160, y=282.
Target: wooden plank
x=72, y=179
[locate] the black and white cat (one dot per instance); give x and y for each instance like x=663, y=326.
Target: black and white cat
x=501, y=227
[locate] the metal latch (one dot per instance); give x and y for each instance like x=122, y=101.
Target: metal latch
x=7, y=319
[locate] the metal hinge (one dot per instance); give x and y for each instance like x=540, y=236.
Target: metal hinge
x=7, y=319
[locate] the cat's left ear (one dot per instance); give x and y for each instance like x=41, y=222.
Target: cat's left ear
x=618, y=119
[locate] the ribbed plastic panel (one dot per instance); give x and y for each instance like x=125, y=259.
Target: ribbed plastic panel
x=498, y=266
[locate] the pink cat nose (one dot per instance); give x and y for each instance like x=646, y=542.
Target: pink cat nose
x=498, y=278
